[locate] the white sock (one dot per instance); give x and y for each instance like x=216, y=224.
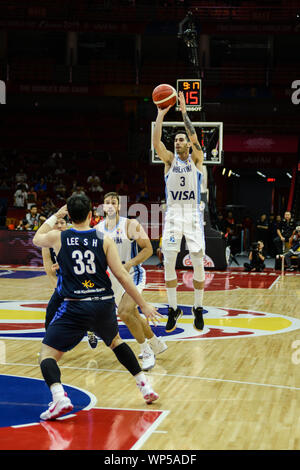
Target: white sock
x=153, y=340
x=57, y=391
x=198, y=297
x=172, y=297
x=144, y=346
x=140, y=378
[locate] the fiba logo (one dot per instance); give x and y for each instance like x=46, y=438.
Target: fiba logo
x=296, y=94
x=2, y=92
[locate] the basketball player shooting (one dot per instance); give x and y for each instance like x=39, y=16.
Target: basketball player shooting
x=183, y=175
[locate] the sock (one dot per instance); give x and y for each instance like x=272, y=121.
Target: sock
x=57, y=391
x=143, y=345
x=154, y=340
x=127, y=358
x=198, y=297
x=140, y=379
x=172, y=297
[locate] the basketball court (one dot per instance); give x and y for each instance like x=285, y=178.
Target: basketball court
x=236, y=385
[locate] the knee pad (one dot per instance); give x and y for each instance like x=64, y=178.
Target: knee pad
x=170, y=258
x=198, y=265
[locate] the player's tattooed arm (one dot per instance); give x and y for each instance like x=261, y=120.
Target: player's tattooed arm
x=188, y=125
x=197, y=146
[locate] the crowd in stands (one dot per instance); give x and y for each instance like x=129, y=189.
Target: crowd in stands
x=34, y=187
x=38, y=190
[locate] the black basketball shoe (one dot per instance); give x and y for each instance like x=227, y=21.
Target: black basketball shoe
x=173, y=316
x=198, y=320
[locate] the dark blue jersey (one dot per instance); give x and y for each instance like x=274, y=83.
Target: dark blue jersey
x=83, y=266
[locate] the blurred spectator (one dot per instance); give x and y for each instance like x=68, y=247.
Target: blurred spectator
x=60, y=170
x=220, y=223
x=231, y=233
x=262, y=230
x=137, y=179
x=95, y=217
x=41, y=185
x=284, y=232
x=93, y=179
x=79, y=191
x=3, y=185
x=31, y=197
x=142, y=196
x=20, y=196
x=96, y=188
x=22, y=225
x=122, y=188
x=34, y=219
x=60, y=188
x=274, y=222
x=48, y=207
x=294, y=250
x=256, y=258
x=74, y=186
x=21, y=176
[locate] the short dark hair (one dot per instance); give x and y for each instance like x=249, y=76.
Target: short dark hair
x=79, y=206
x=112, y=194
x=184, y=133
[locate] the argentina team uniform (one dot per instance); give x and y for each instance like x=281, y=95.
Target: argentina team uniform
x=127, y=249
x=185, y=212
x=83, y=284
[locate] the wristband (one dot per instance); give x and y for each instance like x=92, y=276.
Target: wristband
x=51, y=221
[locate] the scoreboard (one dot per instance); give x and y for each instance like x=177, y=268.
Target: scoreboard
x=191, y=88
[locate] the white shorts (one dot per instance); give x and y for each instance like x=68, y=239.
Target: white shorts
x=191, y=226
x=139, y=279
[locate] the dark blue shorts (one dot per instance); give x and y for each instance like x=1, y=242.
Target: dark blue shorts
x=74, y=318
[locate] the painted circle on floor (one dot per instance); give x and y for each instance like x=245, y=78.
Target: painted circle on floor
x=25, y=320
x=23, y=399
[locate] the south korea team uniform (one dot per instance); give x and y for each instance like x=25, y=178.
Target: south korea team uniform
x=85, y=289
x=127, y=249
x=185, y=212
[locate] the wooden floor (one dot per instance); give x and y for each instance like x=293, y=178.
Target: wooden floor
x=218, y=392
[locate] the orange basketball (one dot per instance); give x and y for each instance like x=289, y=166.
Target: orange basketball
x=164, y=95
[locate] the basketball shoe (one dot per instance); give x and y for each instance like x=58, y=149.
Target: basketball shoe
x=157, y=344
x=173, y=316
x=148, y=358
x=92, y=339
x=148, y=393
x=57, y=409
x=198, y=320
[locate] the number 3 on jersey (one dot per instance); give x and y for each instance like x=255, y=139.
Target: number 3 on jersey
x=182, y=181
x=84, y=262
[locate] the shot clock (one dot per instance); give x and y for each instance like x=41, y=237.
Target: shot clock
x=191, y=89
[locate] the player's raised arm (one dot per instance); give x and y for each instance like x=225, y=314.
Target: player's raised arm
x=197, y=153
x=45, y=236
x=165, y=155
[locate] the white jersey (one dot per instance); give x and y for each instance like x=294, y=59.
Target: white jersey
x=127, y=248
x=185, y=212
x=183, y=184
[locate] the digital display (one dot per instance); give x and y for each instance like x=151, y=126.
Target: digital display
x=191, y=89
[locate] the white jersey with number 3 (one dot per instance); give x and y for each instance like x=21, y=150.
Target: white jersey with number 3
x=183, y=184
x=185, y=212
